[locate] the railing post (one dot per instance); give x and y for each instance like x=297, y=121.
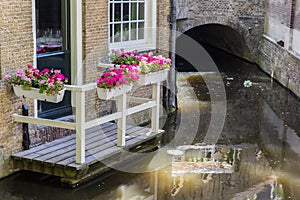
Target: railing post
x=26, y=138
x=121, y=107
x=80, y=127
x=155, y=109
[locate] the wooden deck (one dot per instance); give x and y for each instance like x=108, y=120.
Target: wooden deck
x=58, y=157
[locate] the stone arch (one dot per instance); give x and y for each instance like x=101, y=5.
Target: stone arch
x=217, y=35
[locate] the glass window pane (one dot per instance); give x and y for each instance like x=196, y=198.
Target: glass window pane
x=133, y=31
x=141, y=11
x=49, y=31
x=125, y=11
x=117, y=33
x=126, y=32
x=111, y=33
x=141, y=31
x=133, y=11
x=111, y=12
x=117, y=12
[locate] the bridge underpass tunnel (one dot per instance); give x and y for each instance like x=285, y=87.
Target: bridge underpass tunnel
x=215, y=39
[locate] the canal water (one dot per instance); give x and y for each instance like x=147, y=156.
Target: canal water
x=256, y=156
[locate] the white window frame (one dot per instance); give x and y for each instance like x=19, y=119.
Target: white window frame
x=149, y=41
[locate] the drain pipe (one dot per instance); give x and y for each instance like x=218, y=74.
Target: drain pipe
x=172, y=76
x=26, y=138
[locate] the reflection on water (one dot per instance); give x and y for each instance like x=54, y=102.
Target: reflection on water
x=256, y=157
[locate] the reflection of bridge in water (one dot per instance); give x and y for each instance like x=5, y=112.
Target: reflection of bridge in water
x=206, y=159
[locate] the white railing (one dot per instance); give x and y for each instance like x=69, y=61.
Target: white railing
x=81, y=125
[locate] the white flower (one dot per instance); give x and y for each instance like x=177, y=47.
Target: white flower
x=247, y=83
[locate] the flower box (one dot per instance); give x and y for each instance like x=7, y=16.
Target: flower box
x=106, y=94
x=153, y=77
x=34, y=94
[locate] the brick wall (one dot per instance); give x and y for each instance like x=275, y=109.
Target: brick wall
x=281, y=59
x=163, y=27
x=95, y=48
x=296, y=13
x=279, y=10
x=16, y=42
x=276, y=60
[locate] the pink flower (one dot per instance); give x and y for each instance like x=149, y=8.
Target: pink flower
x=168, y=60
x=51, y=84
x=7, y=77
x=42, y=82
x=45, y=71
x=26, y=79
x=19, y=72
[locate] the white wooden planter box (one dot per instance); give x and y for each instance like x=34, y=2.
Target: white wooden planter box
x=106, y=94
x=34, y=94
x=153, y=77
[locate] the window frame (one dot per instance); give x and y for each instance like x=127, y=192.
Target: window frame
x=149, y=41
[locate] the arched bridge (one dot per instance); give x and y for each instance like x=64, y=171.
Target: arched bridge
x=235, y=26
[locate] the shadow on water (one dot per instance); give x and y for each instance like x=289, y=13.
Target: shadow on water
x=257, y=155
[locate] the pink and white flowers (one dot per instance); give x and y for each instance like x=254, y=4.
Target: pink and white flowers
x=48, y=81
x=147, y=62
x=129, y=66
x=118, y=75
x=150, y=63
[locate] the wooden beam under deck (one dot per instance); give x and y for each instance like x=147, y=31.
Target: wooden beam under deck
x=58, y=157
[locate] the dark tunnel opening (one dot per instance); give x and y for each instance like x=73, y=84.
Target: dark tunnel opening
x=216, y=39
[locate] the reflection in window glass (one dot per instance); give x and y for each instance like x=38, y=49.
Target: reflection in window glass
x=111, y=12
x=133, y=11
x=117, y=33
x=141, y=31
x=117, y=13
x=125, y=32
x=141, y=11
x=49, y=33
x=125, y=11
x=133, y=32
x=111, y=32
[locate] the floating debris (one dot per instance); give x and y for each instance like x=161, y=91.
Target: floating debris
x=247, y=83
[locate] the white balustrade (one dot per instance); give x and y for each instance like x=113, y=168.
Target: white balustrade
x=80, y=124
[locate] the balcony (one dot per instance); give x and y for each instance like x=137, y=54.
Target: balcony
x=77, y=156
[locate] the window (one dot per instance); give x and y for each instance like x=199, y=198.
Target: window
x=49, y=26
x=128, y=21
x=53, y=49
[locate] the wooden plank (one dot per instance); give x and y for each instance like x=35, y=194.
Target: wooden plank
x=49, y=151
x=81, y=88
x=56, y=142
x=56, y=153
x=155, y=109
x=44, y=146
x=100, y=147
x=130, y=142
x=113, y=150
x=121, y=107
x=141, y=107
x=70, y=154
x=103, y=119
x=45, y=122
x=51, y=147
x=98, y=132
x=93, y=140
x=53, y=152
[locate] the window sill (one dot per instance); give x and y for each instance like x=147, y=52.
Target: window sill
x=131, y=47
